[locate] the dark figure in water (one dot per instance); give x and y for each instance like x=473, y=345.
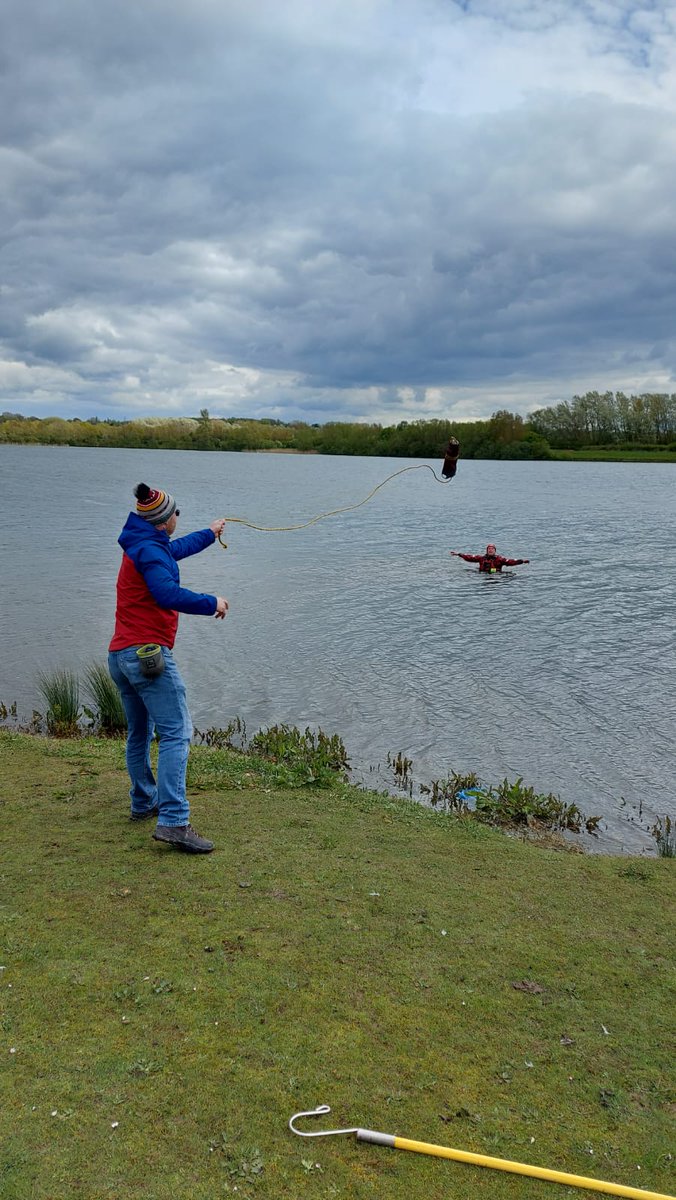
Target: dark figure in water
x=490, y=562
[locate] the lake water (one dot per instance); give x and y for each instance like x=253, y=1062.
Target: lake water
x=364, y=625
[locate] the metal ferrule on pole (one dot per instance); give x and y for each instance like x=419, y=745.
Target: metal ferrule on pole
x=378, y=1139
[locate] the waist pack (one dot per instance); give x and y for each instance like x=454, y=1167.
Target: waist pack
x=151, y=660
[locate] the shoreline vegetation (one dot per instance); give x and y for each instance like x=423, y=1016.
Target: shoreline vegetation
x=295, y=758
x=609, y=426
x=75, y=708
x=164, y=1015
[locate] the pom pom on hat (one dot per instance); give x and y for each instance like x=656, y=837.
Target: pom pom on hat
x=154, y=505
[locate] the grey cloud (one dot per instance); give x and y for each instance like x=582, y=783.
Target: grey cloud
x=247, y=186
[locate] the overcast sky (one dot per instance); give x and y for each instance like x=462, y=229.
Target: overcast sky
x=335, y=209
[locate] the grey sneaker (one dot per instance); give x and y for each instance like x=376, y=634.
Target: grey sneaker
x=143, y=816
x=183, y=837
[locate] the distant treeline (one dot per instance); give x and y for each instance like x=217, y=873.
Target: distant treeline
x=609, y=419
x=595, y=420
x=505, y=435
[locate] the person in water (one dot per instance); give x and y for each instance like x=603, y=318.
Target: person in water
x=490, y=562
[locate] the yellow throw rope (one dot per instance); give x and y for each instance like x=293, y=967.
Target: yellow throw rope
x=334, y=511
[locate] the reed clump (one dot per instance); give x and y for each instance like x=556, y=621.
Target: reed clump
x=664, y=833
x=108, y=713
x=61, y=692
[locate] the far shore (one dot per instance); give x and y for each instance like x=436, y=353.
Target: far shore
x=587, y=455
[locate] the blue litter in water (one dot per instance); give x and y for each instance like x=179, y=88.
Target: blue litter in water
x=470, y=795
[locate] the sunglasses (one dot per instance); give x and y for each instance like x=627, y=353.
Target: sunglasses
x=177, y=512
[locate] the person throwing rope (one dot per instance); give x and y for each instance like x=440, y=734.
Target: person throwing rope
x=149, y=599
x=491, y=562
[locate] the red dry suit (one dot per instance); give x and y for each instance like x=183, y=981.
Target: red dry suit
x=489, y=563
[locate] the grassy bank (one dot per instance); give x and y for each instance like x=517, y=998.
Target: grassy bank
x=163, y=1015
x=599, y=454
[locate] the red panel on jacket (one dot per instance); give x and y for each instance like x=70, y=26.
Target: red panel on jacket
x=138, y=617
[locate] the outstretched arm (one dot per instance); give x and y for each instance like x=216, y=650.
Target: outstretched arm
x=192, y=543
x=467, y=557
x=169, y=594
x=515, y=562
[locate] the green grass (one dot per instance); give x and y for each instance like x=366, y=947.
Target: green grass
x=599, y=454
x=168, y=1013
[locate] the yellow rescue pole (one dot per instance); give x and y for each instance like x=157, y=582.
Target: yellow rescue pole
x=479, y=1160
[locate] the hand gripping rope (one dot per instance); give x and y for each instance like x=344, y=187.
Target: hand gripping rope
x=447, y=472
x=478, y=1160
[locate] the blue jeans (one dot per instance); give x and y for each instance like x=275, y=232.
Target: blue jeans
x=155, y=704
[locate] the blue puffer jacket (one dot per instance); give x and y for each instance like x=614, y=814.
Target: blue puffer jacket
x=155, y=557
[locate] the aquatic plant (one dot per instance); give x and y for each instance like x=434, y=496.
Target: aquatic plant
x=297, y=759
x=9, y=713
x=61, y=691
x=516, y=804
x=109, y=714
x=402, y=770
x=508, y=804
x=664, y=834
x=449, y=794
x=316, y=758
x=232, y=737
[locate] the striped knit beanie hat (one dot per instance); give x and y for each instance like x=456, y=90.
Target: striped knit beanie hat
x=153, y=505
